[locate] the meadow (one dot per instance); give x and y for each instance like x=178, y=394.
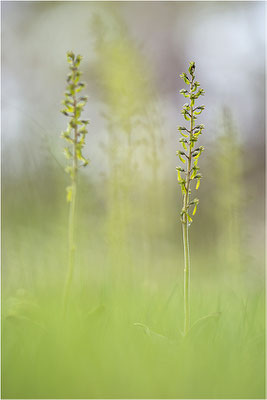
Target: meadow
x=122, y=335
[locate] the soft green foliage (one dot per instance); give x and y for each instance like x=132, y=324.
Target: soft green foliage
x=133, y=147
x=123, y=341
x=189, y=156
x=125, y=345
x=230, y=193
x=101, y=352
x=77, y=127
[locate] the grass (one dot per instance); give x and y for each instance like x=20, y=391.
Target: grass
x=122, y=335
x=97, y=351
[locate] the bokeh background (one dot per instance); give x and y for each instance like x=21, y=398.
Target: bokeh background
x=129, y=258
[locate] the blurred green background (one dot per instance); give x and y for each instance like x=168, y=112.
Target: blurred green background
x=121, y=337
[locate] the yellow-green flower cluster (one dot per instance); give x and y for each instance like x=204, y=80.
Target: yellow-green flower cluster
x=73, y=106
x=190, y=153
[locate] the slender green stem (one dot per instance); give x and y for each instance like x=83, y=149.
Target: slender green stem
x=72, y=217
x=71, y=245
x=186, y=279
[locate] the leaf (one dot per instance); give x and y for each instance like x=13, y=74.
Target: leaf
x=151, y=333
x=203, y=326
x=195, y=209
x=198, y=183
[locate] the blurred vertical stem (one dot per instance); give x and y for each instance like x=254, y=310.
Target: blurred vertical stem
x=186, y=278
x=189, y=156
x=75, y=135
x=71, y=238
x=228, y=171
